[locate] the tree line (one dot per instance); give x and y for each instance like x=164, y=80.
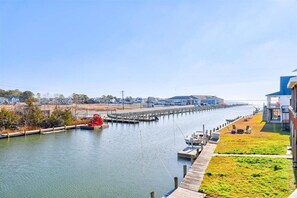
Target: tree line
x=24, y=96
x=32, y=116
x=76, y=98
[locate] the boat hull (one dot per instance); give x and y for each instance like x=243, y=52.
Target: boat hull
x=93, y=127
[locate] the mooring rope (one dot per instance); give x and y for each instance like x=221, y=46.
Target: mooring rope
x=168, y=172
x=181, y=131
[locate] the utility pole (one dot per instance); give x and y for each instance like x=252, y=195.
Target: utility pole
x=123, y=99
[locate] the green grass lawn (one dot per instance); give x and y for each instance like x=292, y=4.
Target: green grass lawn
x=248, y=177
x=265, y=138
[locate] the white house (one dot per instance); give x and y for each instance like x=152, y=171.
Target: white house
x=3, y=100
x=277, y=108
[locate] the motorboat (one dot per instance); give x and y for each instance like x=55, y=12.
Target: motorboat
x=196, y=138
x=95, y=123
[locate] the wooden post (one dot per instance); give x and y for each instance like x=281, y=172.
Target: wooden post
x=185, y=170
x=175, y=182
x=153, y=194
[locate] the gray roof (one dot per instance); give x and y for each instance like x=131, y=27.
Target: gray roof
x=184, y=98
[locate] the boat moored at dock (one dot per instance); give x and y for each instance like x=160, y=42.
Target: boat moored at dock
x=197, y=138
x=95, y=123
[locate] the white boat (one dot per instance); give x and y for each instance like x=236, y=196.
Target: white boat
x=196, y=138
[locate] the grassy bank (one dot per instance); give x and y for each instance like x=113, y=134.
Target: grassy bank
x=266, y=138
x=230, y=176
x=248, y=177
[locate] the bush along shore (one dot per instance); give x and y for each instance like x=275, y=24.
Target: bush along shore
x=31, y=117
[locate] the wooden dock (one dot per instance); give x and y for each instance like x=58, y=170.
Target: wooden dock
x=192, y=181
x=117, y=120
x=190, y=152
x=184, y=193
x=156, y=112
x=152, y=114
x=38, y=131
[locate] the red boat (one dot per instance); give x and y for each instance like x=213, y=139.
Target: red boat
x=95, y=123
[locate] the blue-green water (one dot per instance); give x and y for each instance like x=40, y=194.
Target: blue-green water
x=122, y=161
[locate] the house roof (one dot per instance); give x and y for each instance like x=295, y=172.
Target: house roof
x=292, y=82
x=284, y=90
x=207, y=97
x=183, y=98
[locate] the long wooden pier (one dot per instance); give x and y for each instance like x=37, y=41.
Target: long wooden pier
x=119, y=120
x=192, y=181
x=140, y=114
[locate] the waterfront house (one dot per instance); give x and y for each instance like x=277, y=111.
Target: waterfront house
x=67, y=101
x=184, y=100
x=208, y=99
x=293, y=118
x=13, y=99
x=162, y=102
x=277, y=108
x=3, y=100
x=44, y=101
x=138, y=100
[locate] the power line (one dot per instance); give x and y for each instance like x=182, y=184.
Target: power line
x=122, y=92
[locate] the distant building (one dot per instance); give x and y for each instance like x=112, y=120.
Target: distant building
x=3, y=100
x=277, y=108
x=211, y=100
x=13, y=99
x=66, y=101
x=162, y=102
x=138, y=100
x=184, y=100
x=152, y=100
x=293, y=118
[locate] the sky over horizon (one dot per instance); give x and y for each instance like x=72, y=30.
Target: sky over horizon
x=228, y=48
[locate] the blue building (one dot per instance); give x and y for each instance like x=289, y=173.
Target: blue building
x=13, y=99
x=277, y=107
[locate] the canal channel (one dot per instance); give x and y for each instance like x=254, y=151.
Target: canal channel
x=122, y=161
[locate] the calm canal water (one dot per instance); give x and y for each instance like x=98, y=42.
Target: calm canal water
x=122, y=161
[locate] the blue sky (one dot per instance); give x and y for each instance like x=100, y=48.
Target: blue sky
x=229, y=48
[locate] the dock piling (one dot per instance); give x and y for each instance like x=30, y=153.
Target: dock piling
x=175, y=183
x=185, y=170
x=153, y=194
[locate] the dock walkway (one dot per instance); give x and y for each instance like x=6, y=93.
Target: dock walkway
x=139, y=114
x=194, y=177
x=38, y=131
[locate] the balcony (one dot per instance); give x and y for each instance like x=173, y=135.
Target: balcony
x=273, y=105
